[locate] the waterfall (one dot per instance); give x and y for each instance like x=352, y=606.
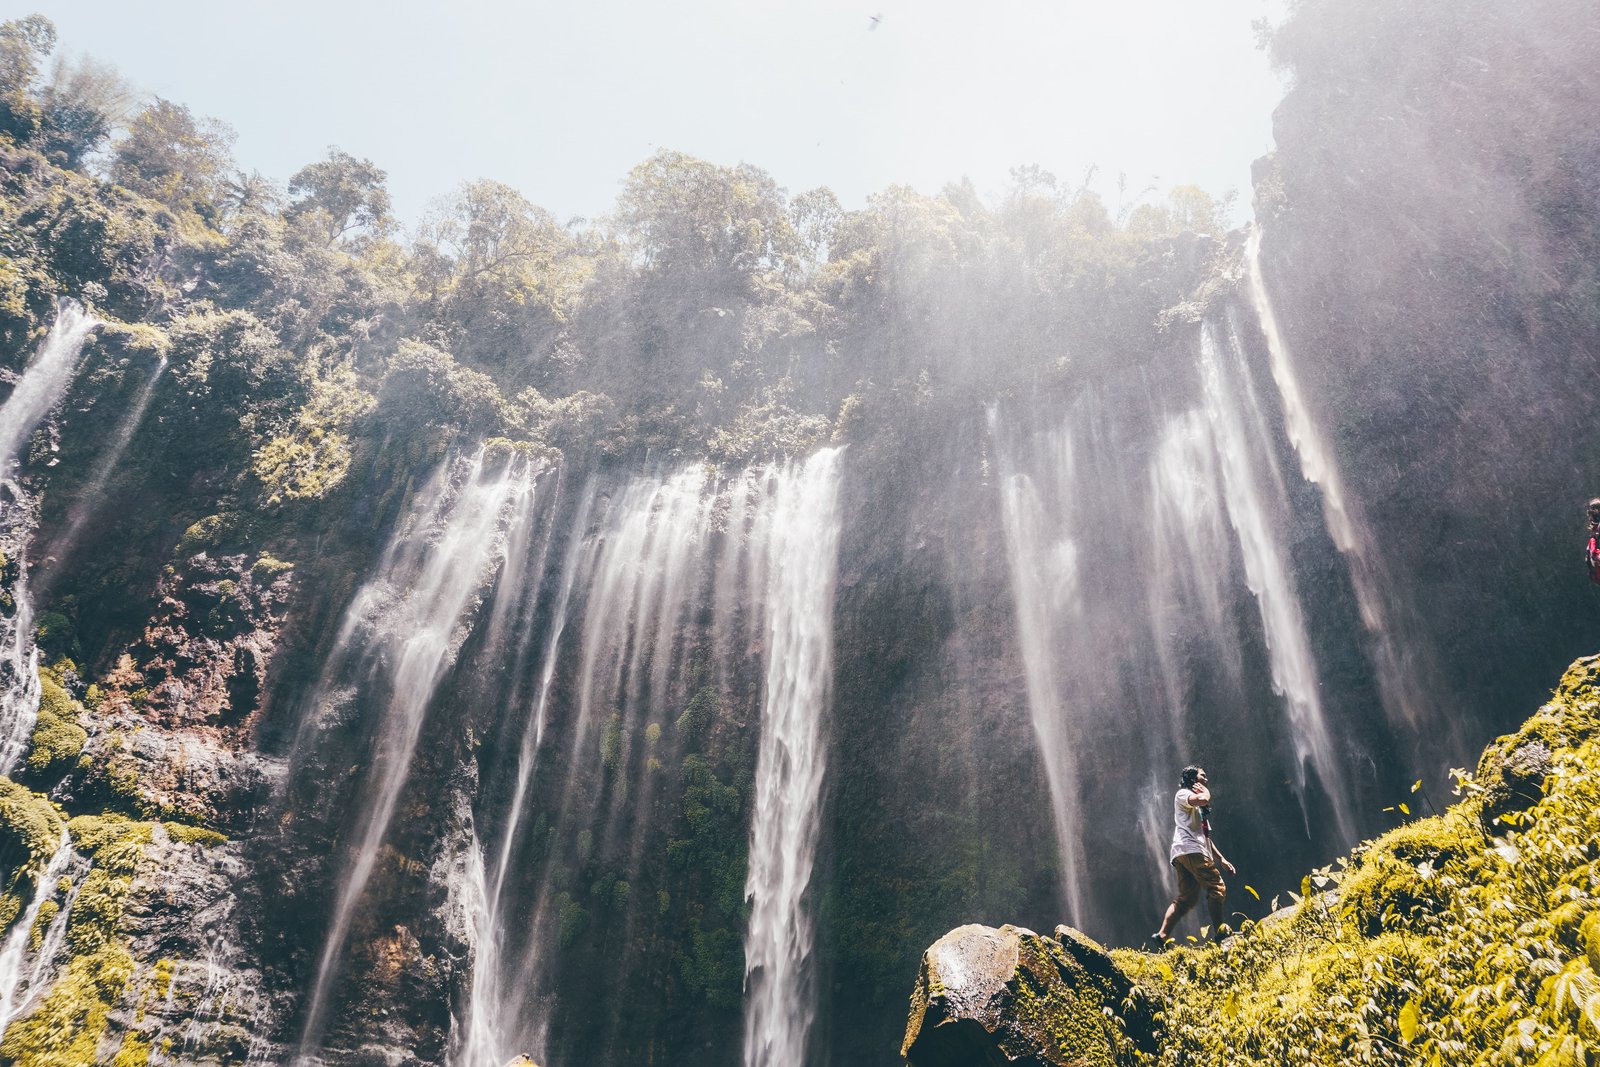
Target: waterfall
x=729, y=568
x=15, y=987
x=40, y=387
x=1397, y=678
x=1256, y=504
x=488, y=1008
x=1043, y=559
x=1192, y=558
x=801, y=561
x=43, y=381
x=399, y=637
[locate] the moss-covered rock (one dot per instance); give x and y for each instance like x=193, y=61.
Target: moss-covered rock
x=30, y=827
x=987, y=996
x=1513, y=767
x=57, y=736
x=66, y=1028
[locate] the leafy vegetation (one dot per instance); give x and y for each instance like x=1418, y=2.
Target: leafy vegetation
x=1469, y=937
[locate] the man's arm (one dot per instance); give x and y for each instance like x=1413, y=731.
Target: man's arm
x=1222, y=861
x=1199, y=796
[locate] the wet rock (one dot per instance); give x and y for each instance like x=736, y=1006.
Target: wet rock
x=173, y=730
x=1010, y=996
x=182, y=915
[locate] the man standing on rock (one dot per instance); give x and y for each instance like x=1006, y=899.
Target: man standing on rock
x=1195, y=856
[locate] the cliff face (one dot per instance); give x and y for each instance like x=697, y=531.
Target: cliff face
x=404, y=614
x=1466, y=937
x=1437, y=288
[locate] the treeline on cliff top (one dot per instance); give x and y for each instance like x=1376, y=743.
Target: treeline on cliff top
x=710, y=312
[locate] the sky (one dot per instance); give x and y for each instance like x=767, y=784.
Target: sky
x=560, y=100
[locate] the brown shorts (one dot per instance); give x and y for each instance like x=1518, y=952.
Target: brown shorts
x=1196, y=871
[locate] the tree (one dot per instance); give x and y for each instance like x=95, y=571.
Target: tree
x=172, y=157
x=694, y=220
x=499, y=273
x=815, y=216
x=23, y=45
x=344, y=193
x=83, y=102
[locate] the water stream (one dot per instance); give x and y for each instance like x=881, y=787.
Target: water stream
x=42, y=384
x=801, y=559
x=401, y=634
x=1402, y=677
x=89, y=497
x=1257, y=509
x=18, y=979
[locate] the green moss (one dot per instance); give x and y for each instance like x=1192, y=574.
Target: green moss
x=135, y=339
x=611, y=743
x=194, y=835
x=97, y=911
x=32, y=824
x=699, y=715
x=135, y=1052
x=32, y=821
x=116, y=842
x=208, y=533
x=266, y=568
x=66, y=1028
x=41, y=925
x=1067, y=1023
x=162, y=979
x=57, y=736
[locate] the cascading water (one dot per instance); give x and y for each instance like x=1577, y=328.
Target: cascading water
x=1253, y=491
x=1149, y=624
x=1397, y=674
x=43, y=381
x=1043, y=559
x=758, y=550
x=41, y=386
x=485, y=1040
x=15, y=986
x=399, y=637
x=801, y=556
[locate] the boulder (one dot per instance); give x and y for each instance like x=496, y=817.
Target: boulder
x=1010, y=996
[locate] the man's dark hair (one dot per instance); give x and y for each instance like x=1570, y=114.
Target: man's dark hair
x=1189, y=776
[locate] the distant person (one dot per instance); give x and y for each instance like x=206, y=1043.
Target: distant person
x=1591, y=554
x=1195, y=856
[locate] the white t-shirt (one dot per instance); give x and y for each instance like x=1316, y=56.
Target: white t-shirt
x=1187, y=834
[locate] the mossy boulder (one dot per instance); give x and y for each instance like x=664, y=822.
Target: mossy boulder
x=1513, y=767
x=1010, y=996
